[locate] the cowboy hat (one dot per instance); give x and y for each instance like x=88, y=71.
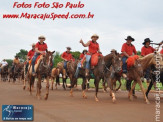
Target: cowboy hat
x=113, y=50
x=33, y=44
x=69, y=48
x=94, y=35
x=41, y=37
x=146, y=40
x=130, y=38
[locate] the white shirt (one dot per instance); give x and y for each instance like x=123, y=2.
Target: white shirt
x=4, y=63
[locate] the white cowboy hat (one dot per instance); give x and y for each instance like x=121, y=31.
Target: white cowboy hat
x=41, y=37
x=94, y=35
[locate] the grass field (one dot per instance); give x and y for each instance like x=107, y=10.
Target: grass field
x=123, y=86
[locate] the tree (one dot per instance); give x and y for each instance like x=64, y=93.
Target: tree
x=76, y=54
x=138, y=52
x=22, y=54
x=57, y=58
x=9, y=61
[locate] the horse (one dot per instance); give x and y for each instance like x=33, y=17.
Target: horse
x=4, y=73
x=43, y=69
x=99, y=72
x=154, y=78
x=60, y=67
x=135, y=72
x=55, y=76
x=17, y=72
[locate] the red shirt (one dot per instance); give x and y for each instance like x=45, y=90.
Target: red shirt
x=81, y=55
x=41, y=47
x=145, y=51
x=161, y=51
x=93, y=47
x=66, y=56
x=31, y=54
x=129, y=49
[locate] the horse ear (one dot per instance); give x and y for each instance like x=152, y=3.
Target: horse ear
x=53, y=52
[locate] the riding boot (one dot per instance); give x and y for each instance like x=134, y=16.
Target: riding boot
x=128, y=85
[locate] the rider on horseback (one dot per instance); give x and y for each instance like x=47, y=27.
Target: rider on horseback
x=93, y=47
x=147, y=49
x=3, y=64
x=30, y=56
x=83, y=54
x=66, y=56
x=40, y=48
x=15, y=62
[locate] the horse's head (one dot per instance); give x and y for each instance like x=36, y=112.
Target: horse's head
x=48, y=58
x=117, y=62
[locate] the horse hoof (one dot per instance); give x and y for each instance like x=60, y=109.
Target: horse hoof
x=46, y=97
x=131, y=98
x=147, y=102
x=135, y=96
x=114, y=100
x=85, y=97
x=96, y=99
x=23, y=87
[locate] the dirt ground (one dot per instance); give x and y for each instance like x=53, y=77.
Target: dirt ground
x=60, y=107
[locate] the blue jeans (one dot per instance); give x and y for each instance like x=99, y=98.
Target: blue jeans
x=33, y=61
x=77, y=70
x=65, y=65
x=124, y=66
x=88, y=57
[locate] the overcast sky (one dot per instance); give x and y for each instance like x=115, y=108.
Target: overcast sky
x=114, y=20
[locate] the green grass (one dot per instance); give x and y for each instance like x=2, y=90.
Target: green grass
x=123, y=86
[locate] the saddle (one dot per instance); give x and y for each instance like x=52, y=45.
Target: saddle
x=95, y=59
x=37, y=62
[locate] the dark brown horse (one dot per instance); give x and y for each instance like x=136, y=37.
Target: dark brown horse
x=17, y=72
x=99, y=72
x=4, y=73
x=43, y=69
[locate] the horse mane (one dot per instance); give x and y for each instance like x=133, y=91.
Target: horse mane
x=146, y=61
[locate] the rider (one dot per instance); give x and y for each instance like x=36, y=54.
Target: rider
x=3, y=63
x=40, y=48
x=128, y=49
x=93, y=47
x=30, y=56
x=66, y=56
x=83, y=54
x=147, y=49
x=15, y=61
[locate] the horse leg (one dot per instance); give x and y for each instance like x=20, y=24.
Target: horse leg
x=39, y=87
x=130, y=95
x=84, y=88
x=64, y=81
x=97, y=80
x=143, y=91
x=74, y=81
x=119, y=84
x=52, y=81
x=149, y=88
x=47, y=88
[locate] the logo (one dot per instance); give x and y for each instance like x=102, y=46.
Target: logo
x=17, y=112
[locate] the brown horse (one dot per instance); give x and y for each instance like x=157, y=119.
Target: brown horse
x=100, y=71
x=62, y=71
x=42, y=68
x=136, y=72
x=55, y=76
x=17, y=72
x=4, y=73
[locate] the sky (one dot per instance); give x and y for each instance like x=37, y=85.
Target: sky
x=113, y=21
